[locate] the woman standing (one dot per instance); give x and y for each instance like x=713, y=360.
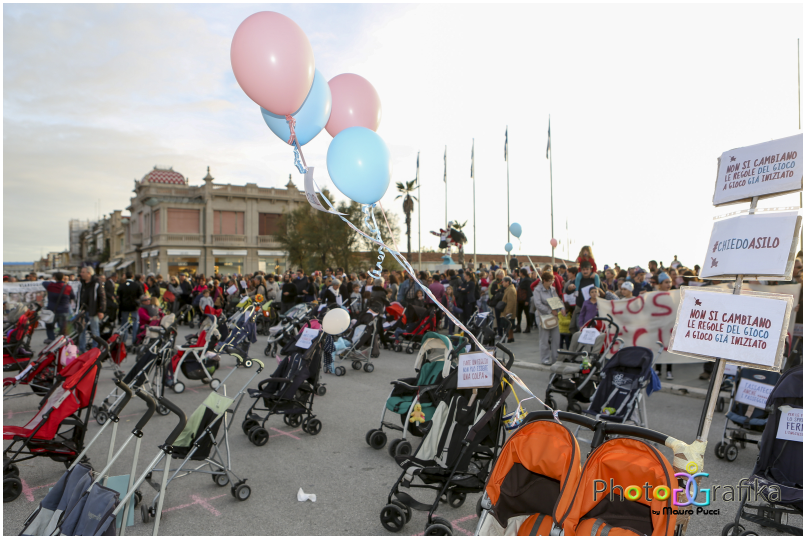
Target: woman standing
x=549, y=338
x=468, y=287
x=510, y=301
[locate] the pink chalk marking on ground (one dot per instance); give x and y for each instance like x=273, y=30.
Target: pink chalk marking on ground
x=198, y=500
x=455, y=525
x=12, y=413
x=289, y=433
x=29, y=491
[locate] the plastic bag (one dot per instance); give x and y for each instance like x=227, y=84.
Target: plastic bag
x=654, y=383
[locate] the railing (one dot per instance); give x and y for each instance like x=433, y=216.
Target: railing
x=264, y=241
x=178, y=238
x=229, y=239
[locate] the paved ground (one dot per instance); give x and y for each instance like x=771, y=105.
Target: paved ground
x=351, y=480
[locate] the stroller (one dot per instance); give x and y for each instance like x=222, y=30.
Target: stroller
x=42, y=436
x=17, y=340
x=40, y=372
x=746, y=411
x=777, y=477
x=196, y=360
x=456, y=454
x=425, y=319
x=364, y=341
x=285, y=332
x=289, y=391
x=481, y=326
x=577, y=375
x=537, y=486
x=432, y=365
x=200, y=442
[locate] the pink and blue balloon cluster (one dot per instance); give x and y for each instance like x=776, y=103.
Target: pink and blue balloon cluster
x=273, y=62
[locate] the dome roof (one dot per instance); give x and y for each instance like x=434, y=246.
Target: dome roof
x=164, y=175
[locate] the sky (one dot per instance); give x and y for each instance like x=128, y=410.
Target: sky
x=642, y=99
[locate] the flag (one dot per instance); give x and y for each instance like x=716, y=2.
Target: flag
x=506, y=143
x=473, y=159
x=445, y=173
x=418, y=165
x=548, y=146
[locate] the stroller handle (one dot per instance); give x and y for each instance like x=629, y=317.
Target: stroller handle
x=182, y=420
x=601, y=428
x=507, y=352
x=152, y=405
x=127, y=396
x=102, y=343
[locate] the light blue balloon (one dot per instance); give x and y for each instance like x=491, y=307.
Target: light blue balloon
x=311, y=116
x=508, y=247
x=359, y=164
x=516, y=229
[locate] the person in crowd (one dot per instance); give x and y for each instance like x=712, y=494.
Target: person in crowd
x=300, y=282
x=333, y=293
x=403, y=290
x=355, y=299
x=653, y=267
x=111, y=299
x=468, y=287
x=393, y=285
x=450, y=304
x=549, y=338
x=129, y=293
x=586, y=254
x=610, y=281
x=524, y=295
x=564, y=317
x=484, y=285
x=510, y=300
x=288, y=294
x=590, y=309
x=585, y=279
x=437, y=289
x=258, y=287
x=495, y=295
x=272, y=288
x=186, y=295
x=206, y=301
x=91, y=297
x=175, y=289
x=639, y=284
x=60, y=294
x=664, y=282
x=625, y=291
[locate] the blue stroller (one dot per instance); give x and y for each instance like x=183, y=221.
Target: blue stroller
x=746, y=415
x=777, y=477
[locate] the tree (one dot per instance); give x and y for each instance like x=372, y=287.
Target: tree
x=406, y=191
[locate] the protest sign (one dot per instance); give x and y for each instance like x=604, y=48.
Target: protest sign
x=790, y=426
x=758, y=245
x=588, y=336
x=749, y=329
x=232, y=290
x=556, y=304
x=766, y=169
x=475, y=370
x=753, y=393
x=307, y=337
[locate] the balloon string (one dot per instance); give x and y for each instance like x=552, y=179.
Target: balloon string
x=302, y=166
x=291, y=124
x=373, y=229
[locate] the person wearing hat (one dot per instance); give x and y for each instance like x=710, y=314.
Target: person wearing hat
x=664, y=282
x=625, y=292
x=639, y=285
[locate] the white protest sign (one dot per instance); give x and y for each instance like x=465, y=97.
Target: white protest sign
x=790, y=426
x=475, y=370
x=731, y=370
x=586, y=292
x=556, y=304
x=753, y=393
x=759, y=245
x=769, y=168
x=307, y=337
x=744, y=328
x=243, y=284
x=232, y=290
x=588, y=336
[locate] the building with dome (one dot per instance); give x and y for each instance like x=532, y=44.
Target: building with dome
x=210, y=228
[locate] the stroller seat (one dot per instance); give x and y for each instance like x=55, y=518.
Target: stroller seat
x=752, y=421
x=622, y=379
x=566, y=368
x=429, y=374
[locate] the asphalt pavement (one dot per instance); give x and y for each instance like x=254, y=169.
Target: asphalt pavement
x=351, y=481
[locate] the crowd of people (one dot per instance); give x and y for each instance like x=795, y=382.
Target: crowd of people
x=556, y=300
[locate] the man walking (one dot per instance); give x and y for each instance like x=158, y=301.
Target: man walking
x=92, y=299
x=129, y=293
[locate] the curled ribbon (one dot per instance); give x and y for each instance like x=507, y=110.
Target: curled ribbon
x=373, y=229
x=291, y=125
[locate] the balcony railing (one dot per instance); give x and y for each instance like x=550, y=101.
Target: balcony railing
x=268, y=241
x=178, y=239
x=229, y=239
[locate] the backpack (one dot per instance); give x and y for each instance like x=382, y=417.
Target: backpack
x=197, y=300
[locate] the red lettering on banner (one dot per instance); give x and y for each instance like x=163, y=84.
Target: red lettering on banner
x=638, y=334
x=639, y=308
x=613, y=307
x=660, y=337
x=656, y=304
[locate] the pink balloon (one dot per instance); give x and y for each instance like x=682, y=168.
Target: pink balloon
x=273, y=62
x=553, y=243
x=355, y=103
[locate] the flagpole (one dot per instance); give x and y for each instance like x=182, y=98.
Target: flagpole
x=473, y=174
x=506, y=155
x=419, y=221
x=551, y=183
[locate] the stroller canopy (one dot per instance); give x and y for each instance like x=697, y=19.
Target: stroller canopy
x=434, y=341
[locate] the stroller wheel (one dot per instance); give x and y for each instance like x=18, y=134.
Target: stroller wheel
x=732, y=529
x=267, y=350
x=357, y=365
x=403, y=449
x=748, y=532
x=406, y=509
x=221, y=479
x=94, y=410
x=340, y=371
x=138, y=497
x=12, y=488
x=248, y=424
x=393, y=518
x=369, y=434
x=162, y=410
x=258, y=436
x=313, y=427
x=456, y=499
x=719, y=450
x=321, y=390
x=369, y=367
x=393, y=446
x=732, y=452
x=145, y=514
x=439, y=526
x=409, y=350
x=551, y=403
x=241, y=492
x=215, y=383
x=292, y=420
x=574, y=407
x=397, y=348
x=101, y=417
x=720, y=404
x=377, y=440
x=11, y=471
x=179, y=387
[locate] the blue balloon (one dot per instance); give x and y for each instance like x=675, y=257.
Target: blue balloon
x=311, y=116
x=516, y=229
x=508, y=247
x=359, y=164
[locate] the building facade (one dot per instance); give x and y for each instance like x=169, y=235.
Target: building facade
x=175, y=227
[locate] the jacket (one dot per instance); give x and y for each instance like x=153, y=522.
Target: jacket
x=292, y=293
x=439, y=292
x=91, y=297
x=402, y=290
x=111, y=298
x=468, y=293
x=565, y=321
x=589, y=312
x=59, y=305
x=272, y=291
x=541, y=296
x=511, y=299
x=129, y=295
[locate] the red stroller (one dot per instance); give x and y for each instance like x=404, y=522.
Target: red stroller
x=17, y=342
x=43, y=436
x=426, y=320
x=40, y=372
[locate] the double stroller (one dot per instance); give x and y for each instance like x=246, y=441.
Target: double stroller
x=777, y=477
x=456, y=454
x=576, y=377
x=432, y=365
x=747, y=412
x=290, y=391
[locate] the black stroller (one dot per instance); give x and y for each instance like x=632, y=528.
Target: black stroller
x=290, y=391
x=777, y=477
x=746, y=411
x=364, y=340
x=456, y=454
x=481, y=326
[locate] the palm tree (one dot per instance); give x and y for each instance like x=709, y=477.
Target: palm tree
x=408, y=207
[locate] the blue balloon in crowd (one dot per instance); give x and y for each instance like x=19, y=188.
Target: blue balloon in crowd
x=311, y=116
x=359, y=164
x=516, y=229
x=508, y=247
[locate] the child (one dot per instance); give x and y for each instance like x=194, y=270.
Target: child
x=450, y=303
x=564, y=317
x=586, y=255
x=206, y=300
x=589, y=309
x=356, y=298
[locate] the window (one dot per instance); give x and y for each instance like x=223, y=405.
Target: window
x=228, y=222
x=156, y=227
x=141, y=229
x=268, y=223
x=183, y=221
